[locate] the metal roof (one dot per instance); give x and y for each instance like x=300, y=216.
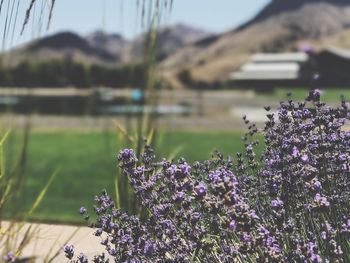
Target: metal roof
x=280, y=57
x=344, y=53
x=271, y=67
x=268, y=71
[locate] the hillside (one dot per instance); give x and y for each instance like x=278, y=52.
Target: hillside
x=105, y=49
x=283, y=25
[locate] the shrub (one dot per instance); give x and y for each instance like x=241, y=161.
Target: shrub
x=291, y=204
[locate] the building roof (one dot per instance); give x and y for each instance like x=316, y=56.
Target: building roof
x=344, y=53
x=280, y=57
x=268, y=71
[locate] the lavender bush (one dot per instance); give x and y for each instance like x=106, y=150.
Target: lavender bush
x=289, y=204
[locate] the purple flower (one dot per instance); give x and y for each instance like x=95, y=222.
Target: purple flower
x=98, y=232
x=295, y=152
x=317, y=185
x=263, y=231
x=127, y=158
x=82, y=210
x=201, y=190
x=308, y=49
x=68, y=251
x=196, y=216
x=83, y=258
x=112, y=251
x=253, y=215
x=171, y=170
x=104, y=241
x=314, y=95
x=233, y=225
x=10, y=257
x=149, y=248
x=185, y=169
x=126, y=239
x=321, y=201
x=231, y=210
x=179, y=197
x=305, y=158
x=277, y=204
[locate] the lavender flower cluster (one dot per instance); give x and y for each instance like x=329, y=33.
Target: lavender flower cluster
x=291, y=203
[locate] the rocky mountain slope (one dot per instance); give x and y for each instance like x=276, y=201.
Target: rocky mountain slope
x=283, y=25
x=107, y=49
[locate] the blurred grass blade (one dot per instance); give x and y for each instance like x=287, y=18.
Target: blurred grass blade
x=5, y=27
x=42, y=193
x=4, y=137
x=124, y=132
x=59, y=251
x=5, y=194
x=50, y=13
x=117, y=191
x=28, y=12
x=14, y=24
x=1, y=3
x=25, y=240
x=150, y=136
x=2, y=155
x=176, y=152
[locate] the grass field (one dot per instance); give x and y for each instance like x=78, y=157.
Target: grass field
x=328, y=95
x=87, y=164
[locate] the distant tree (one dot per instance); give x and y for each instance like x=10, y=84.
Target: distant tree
x=5, y=77
x=98, y=75
x=138, y=76
x=24, y=75
x=78, y=75
x=51, y=74
x=185, y=77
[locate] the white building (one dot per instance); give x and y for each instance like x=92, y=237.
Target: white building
x=273, y=67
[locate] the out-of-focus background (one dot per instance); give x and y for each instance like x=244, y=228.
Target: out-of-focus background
x=106, y=72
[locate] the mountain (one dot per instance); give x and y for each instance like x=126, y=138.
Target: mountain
x=170, y=39
x=277, y=7
x=283, y=25
x=112, y=43
x=63, y=45
x=108, y=49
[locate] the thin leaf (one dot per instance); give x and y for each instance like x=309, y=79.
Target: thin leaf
x=2, y=155
x=14, y=23
x=150, y=136
x=4, y=138
x=59, y=251
x=25, y=240
x=5, y=194
x=117, y=191
x=5, y=28
x=124, y=132
x=28, y=12
x=176, y=152
x=2, y=1
x=50, y=13
x=42, y=193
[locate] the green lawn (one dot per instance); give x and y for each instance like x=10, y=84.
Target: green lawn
x=328, y=95
x=87, y=164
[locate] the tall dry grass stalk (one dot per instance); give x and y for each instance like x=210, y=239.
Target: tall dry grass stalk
x=27, y=16
x=14, y=22
x=15, y=233
x=150, y=13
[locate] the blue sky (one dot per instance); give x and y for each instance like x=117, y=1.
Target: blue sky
x=121, y=16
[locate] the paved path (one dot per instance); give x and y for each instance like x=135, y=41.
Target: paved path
x=48, y=240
